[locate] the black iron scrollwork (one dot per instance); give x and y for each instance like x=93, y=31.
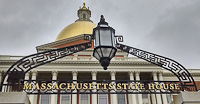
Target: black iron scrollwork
x=182, y=74
x=119, y=38
x=88, y=37
x=32, y=61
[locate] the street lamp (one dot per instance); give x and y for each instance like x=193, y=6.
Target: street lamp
x=104, y=46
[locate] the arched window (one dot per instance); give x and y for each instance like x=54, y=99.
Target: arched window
x=84, y=15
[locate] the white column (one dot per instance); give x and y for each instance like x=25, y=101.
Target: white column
x=54, y=96
x=0, y=77
x=3, y=87
x=94, y=96
x=153, y=96
x=164, y=97
x=158, y=97
x=133, y=96
x=113, y=96
x=74, y=96
x=137, y=77
x=26, y=78
x=149, y=99
x=32, y=97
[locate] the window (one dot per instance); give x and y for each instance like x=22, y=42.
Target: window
x=65, y=99
x=102, y=98
x=121, y=99
x=145, y=99
x=84, y=99
x=84, y=15
x=145, y=96
x=45, y=99
x=169, y=98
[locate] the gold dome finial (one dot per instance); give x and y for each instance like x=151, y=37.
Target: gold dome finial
x=84, y=6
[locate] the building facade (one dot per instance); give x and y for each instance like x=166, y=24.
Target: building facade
x=83, y=66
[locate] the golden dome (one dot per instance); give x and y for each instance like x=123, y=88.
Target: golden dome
x=75, y=29
x=83, y=25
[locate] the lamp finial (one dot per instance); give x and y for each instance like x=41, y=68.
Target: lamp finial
x=102, y=20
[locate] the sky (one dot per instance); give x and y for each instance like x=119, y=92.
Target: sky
x=170, y=28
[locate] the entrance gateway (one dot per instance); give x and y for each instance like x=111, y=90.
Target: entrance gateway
x=14, y=77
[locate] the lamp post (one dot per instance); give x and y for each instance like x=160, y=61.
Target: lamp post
x=104, y=46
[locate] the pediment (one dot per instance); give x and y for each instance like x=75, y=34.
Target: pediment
x=62, y=43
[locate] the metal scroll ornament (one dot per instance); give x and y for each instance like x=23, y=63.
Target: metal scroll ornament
x=17, y=71
x=186, y=80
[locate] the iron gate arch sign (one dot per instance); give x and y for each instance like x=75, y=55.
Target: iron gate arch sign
x=15, y=74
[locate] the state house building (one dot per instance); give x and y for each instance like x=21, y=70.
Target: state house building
x=83, y=66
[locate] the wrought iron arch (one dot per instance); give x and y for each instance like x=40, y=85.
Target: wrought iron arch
x=18, y=70
x=186, y=80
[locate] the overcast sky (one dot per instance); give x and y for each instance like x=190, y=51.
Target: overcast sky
x=169, y=28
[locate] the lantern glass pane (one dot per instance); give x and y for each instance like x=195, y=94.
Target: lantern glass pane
x=113, y=39
x=96, y=38
x=112, y=54
x=106, y=51
x=99, y=52
x=96, y=55
x=105, y=37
